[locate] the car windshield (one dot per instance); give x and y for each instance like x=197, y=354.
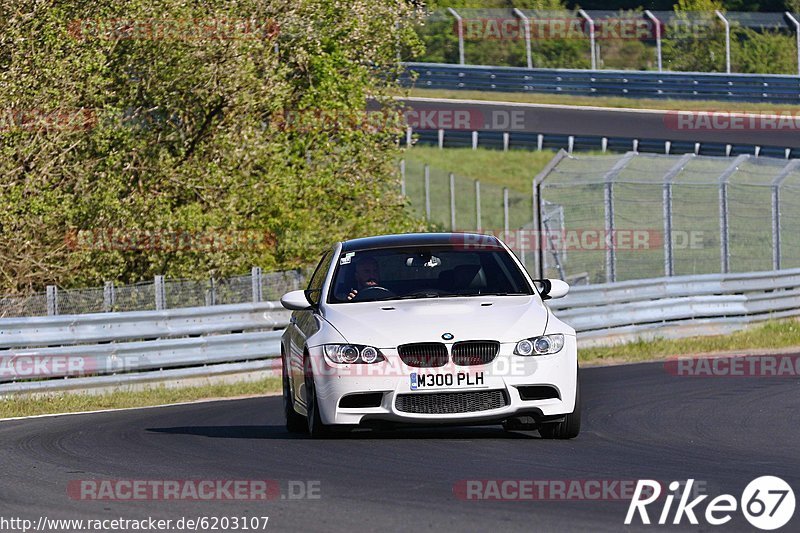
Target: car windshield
x=425, y=272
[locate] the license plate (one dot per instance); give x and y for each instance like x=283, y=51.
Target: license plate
x=441, y=381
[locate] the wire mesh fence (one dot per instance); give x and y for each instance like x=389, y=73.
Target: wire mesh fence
x=158, y=294
x=704, y=41
x=606, y=218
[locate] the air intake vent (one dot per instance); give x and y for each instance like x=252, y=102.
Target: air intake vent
x=475, y=352
x=451, y=402
x=423, y=354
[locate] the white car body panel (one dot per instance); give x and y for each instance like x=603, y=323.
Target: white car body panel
x=391, y=323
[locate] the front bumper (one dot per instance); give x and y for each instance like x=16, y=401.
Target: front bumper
x=391, y=378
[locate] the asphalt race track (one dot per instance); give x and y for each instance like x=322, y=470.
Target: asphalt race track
x=604, y=122
x=639, y=422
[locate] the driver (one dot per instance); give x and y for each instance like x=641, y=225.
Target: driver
x=366, y=275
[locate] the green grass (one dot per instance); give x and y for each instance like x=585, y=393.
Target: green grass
x=771, y=335
x=514, y=169
x=603, y=101
x=29, y=405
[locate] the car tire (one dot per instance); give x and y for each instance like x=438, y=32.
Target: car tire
x=570, y=427
x=295, y=422
x=316, y=428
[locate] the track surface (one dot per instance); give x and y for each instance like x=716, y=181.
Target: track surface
x=639, y=422
x=603, y=122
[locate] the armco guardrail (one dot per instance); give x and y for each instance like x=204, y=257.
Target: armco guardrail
x=99, y=350
x=667, y=306
x=771, y=88
x=137, y=346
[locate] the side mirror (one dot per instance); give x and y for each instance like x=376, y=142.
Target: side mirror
x=552, y=288
x=295, y=301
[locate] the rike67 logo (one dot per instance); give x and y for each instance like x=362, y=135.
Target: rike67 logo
x=767, y=503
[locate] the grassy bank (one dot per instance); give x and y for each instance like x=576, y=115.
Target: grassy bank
x=771, y=335
x=24, y=405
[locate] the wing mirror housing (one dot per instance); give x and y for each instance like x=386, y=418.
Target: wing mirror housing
x=295, y=301
x=552, y=288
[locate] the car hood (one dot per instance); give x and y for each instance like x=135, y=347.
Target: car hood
x=390, y=323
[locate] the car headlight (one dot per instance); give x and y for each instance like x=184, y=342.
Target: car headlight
x=544, y=345
x=346, y=354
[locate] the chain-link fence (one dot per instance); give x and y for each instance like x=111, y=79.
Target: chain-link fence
x=602, y=218
x=647, y=215
x=160, y=293
x=702, y=41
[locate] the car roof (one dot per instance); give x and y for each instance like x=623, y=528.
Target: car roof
x=419, y=239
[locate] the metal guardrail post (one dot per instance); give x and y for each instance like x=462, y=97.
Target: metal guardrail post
x=478, y=205
x=727, y=41
x=794, y=21
x=256, y=278
x=109, y=296
x=724, y=220
x=505, y=210
x=460, y=23
x=592, y=43
x=527, y=23
x=160, y=293
x=669, y=177
x=52, y=300
x=427, y=192
x=608, y=202
x=649, y=14
x=776, y=211
x=452, y=202
x=403, y=178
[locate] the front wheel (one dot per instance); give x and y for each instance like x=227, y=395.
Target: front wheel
x=313, y=420
x=294, y=421
x=570, y=427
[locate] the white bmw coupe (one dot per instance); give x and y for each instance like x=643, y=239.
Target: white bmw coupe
x=428, y=329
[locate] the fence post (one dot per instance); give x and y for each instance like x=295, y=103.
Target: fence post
x=255, y=277
x=212, y=292
x=452, y=202
x=657, y=23
x=592, y=45
x=427, y=192
x=608, y=202
x=527, y=23
x=478, y=205
x=109, y=296
x=669, y=177
x=460, y=24
x=776, y=211
x=403, y=178
x=727, y=41
x=797, y=37
x=505, y=210
x=724, y=227
x=52, y=300
x=160, y=293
